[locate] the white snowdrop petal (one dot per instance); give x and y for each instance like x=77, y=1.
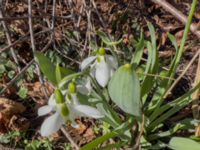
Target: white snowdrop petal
x=86, y=62
x=82, y=89
x=102, y=73
x=85, y=110
x=51, y=125
x=75, y=100
x=52, y=101
x=111, y=72
x=111, y=61
x=73, y=113
x=86, y=88
x=88, y=85
x=93, y=69
x=44, y=110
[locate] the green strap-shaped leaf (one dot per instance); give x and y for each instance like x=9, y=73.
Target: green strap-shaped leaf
x=58, y=73
x=49, y=69
x=170, y=108
x=118, y=131
x=152, y=63
x=114, y=146
x=46, y=66
x=107, y=40
x=139, y=48
x=98, y=141
x=124, y=90
x=179, y=143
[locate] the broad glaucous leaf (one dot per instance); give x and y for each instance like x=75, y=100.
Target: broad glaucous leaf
x=179, y=143
x=124, y=90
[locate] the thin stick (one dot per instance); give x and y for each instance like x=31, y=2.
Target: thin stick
x=181, y=49
x=24, y=38
x=137, y=144
x=178, y=14
x=53, y=22
x=9, y=38
x=23, y=70
x=98, y=14
x=65, y=56
x=31, y=25
x=34, y=17
x=155, y=75
x=195, y=100
x=182, y=74
x=17, y=76
x=69, y=138
x=79, y=18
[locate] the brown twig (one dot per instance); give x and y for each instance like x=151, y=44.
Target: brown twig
x=182, y=74
x=69, y=138
x=24, y=38
x=65, y=56
x=178, y=14
x=33, y=46
x=195, y=99
x=137, y=144
x=17, y=76
x=23, y=70
x=34, y=17
x=31, y=25
x=9, y=38
x=53, y=22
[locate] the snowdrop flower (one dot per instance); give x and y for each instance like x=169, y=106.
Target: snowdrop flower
x=54, y=122
x=65, y=109
x=79, y=110
x=102, y=66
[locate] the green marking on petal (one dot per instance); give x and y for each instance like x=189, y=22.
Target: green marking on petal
x=102, y=51
x=128, y=66
x=98, y=59
x=64, y=110
x=72, y=87
x=69, y=97
x=59, y=96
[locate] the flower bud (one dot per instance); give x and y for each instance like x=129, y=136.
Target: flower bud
x=59, y=96
x=102, y=51
x=72, y=87
x=68, y=97
x=127, y=66
x=64, y=110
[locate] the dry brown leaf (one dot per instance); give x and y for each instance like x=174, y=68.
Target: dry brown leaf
x=8, y=109
x=21, y=8
x=35, y=90
x=18, y=123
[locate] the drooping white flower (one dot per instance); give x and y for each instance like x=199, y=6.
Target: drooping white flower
x=67, y=110
x=102, y=66
x=54, y=122
x=79, y=110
